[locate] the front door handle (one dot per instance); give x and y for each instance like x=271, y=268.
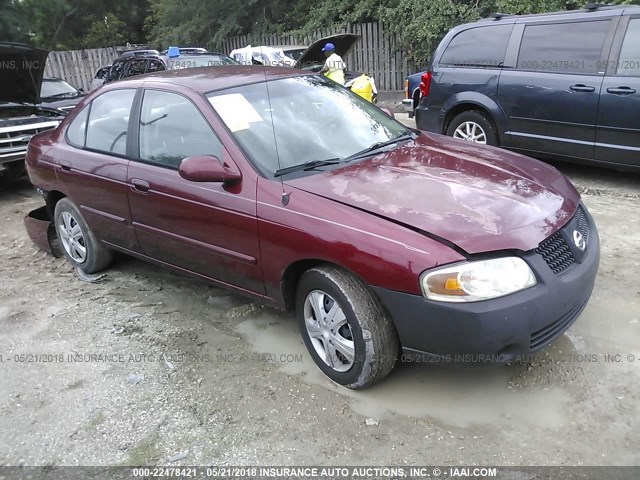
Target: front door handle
x=621, y=91
x=65, y=165
x=582, y=88
x=140, y=185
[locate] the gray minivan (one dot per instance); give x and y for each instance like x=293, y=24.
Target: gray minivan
x=560, y=85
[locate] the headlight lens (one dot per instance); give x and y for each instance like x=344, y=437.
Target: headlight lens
x=477, y=281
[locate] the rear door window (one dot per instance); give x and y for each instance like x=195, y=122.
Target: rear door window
x=629, y=61
x=574, y=47
x=109, y=120
x=478, y=47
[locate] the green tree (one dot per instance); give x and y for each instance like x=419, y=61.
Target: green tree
x=74, y=24
x=105, y=31
x=13, y=22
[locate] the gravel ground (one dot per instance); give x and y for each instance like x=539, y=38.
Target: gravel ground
x=150, y=367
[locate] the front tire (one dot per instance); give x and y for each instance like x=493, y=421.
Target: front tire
x=79, y=244
x=348, y=333
x=473, y=126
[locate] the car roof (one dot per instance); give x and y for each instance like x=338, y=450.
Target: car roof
x=289, y=47
x=613, y=10
x=134, y=58
x=207, y=79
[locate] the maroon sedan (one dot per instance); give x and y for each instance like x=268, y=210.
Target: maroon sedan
x=287, y=187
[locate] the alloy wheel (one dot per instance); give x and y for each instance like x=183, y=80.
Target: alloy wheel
x=471, y=132
x=72, y=237
x=329, y=330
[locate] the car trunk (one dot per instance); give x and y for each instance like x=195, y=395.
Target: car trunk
x=314, y=55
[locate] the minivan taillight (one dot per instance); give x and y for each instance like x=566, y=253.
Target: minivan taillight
x=425, y=82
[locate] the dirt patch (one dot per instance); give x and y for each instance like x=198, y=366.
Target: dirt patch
x=150, y=367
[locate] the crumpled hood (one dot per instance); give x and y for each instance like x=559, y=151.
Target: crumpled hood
x=22, y=70
x=480, y=198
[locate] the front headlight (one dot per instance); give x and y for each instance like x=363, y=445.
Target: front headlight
x=476, y=281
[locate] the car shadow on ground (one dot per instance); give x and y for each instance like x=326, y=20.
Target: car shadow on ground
x=599, y=179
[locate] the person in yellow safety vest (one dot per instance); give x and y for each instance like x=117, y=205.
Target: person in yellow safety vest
x=334, y=65
x=365, y=87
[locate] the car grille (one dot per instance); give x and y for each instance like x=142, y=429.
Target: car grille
x=545, y=335
x=556, y=252
x=14, y=139
x=581, y=221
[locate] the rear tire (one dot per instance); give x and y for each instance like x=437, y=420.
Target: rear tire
x=473, y=127
x=81, y=247
x=347, y=331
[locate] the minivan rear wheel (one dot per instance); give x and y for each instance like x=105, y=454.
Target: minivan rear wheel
x=473, y=126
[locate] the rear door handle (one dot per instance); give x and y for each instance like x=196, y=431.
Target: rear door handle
x=140, y=185
x=582, y=88
x=65, y=165
x=621, y=91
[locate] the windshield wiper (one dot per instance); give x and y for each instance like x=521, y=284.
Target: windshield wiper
x=379, y=145
x=306, y=166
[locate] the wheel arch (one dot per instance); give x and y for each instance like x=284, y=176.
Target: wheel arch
x=292, y=274
x=467, y=101
x=52, y=198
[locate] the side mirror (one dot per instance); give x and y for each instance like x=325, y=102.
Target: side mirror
x=388, y=112
x=207, y=168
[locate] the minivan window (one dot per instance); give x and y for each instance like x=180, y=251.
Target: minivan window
x=108, y=121
x=574, y=47
x=172, y=128
x=478, y=47
x=629, y=62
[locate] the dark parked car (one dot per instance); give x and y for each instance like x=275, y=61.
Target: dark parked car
x=22, y=115
x=58, y=94
x=306, y=196
x=98, y=78
x=139, y=64
x=559, y=85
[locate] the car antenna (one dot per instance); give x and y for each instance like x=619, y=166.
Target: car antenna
x=263, y=55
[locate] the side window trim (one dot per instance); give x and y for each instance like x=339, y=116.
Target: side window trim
x=513, y=47
x=133, y=141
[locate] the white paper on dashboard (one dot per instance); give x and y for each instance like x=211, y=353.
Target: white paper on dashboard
x=235, y=110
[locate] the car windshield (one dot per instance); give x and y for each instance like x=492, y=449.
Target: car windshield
x=295, y=54
x=292, y=121
x=191, y=61
x=57, y=88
